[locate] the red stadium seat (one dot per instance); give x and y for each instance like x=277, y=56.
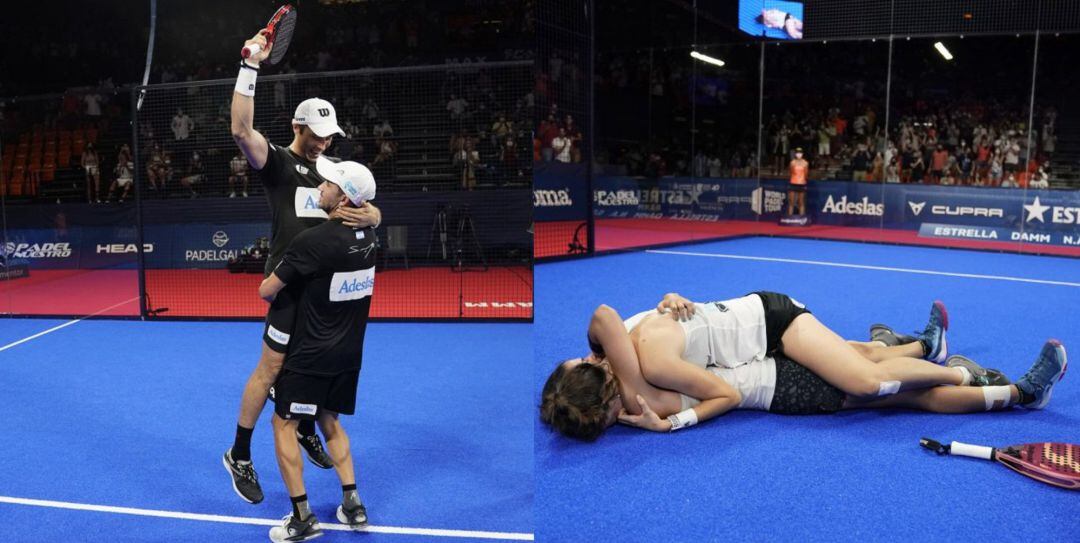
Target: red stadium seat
x=48, y=173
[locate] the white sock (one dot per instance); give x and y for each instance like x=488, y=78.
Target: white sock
x=997, y=397
x=966, y=373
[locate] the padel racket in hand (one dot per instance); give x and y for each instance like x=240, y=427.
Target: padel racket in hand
x=1057, y=464
x=278, y=33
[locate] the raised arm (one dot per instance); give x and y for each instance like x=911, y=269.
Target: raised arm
x=250, y=141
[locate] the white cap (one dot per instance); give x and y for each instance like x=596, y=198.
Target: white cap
x=354, y=178
x=319, y=115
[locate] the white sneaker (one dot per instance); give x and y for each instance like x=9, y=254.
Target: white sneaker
x=295, y=530
x=232, y=195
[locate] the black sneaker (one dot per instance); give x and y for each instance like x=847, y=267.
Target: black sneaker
x=296, y=530
x=355, y=519
x=315, y=452
x=980, y=376
x=244, y=479
x=888, y=336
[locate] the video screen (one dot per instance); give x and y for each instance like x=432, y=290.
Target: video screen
x=774, y=19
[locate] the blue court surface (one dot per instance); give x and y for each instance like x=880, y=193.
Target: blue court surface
x=852, y=476
x=115, y=431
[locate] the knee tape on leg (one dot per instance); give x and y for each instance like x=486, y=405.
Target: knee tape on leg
x=996, y=397
x=887, y=388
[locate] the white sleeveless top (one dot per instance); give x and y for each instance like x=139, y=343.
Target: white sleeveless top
x=728, y=339
x=728, y=334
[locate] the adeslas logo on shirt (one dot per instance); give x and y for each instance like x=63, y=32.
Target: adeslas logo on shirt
x=345, y=286
x=356, y=286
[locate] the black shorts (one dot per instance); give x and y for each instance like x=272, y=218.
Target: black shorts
x=280, y=319
x=800, y=391
x=780, y=310
x=299, y=396
x=796, y=188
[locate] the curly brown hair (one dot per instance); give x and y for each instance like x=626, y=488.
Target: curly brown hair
x=575, y=401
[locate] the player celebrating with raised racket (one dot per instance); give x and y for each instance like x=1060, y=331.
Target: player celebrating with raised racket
x=766, y=351
x=289, y=176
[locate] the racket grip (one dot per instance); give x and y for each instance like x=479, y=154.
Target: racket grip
x=975, y=451
x=249, y=50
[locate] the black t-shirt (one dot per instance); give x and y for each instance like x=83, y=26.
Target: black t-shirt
x=291, y=184
x=333, y=268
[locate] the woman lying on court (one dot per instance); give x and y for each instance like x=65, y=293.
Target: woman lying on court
x=688, y=362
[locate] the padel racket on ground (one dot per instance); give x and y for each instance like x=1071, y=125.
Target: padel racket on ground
x=1057, y=464
x=278, y=33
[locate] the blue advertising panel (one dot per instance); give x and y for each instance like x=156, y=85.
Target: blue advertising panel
x=1042, y=216
x=559, y=191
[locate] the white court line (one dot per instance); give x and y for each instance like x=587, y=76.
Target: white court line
x=864, y=267
x=263, y=521
x=65, y=325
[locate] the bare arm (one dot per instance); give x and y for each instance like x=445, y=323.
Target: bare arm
x=359, y=217
x=250, y=141
x=665, y=369
x=607, y=330
x=270, y=287
x=680, y=307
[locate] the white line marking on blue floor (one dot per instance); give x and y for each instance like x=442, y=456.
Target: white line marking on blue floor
x=65, y=325
x=865, y=267
x=264, y=521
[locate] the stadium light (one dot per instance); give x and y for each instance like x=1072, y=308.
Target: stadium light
x=706, y=58
x=941, y=49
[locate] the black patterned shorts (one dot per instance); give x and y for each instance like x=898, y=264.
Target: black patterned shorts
x=800, y=391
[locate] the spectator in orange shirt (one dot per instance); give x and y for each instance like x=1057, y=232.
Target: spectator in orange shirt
x=797, y=188
x=937, y=164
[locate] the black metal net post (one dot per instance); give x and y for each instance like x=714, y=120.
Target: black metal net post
x=563, y=148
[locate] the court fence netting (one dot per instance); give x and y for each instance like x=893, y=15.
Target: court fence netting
x=187, y=237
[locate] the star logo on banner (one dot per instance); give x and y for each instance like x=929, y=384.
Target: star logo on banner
x=1036, y=211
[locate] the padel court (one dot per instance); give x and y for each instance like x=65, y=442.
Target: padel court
x=116, y=431
x=851, y=476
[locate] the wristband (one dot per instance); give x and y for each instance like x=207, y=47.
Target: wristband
x=683, y=419
x=245, y=80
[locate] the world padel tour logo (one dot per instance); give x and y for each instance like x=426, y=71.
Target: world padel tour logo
x=766, y=201
x=37, y=250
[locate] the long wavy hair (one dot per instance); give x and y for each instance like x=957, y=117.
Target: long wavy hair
x=575, y=401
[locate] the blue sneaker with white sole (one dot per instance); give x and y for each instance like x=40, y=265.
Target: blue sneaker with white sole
x=1047, y=370
x=933, y=336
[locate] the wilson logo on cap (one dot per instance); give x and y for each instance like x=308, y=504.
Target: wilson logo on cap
x=324, y=112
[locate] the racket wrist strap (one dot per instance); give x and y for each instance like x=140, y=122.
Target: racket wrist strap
x=683, y=419
x=245, y=80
